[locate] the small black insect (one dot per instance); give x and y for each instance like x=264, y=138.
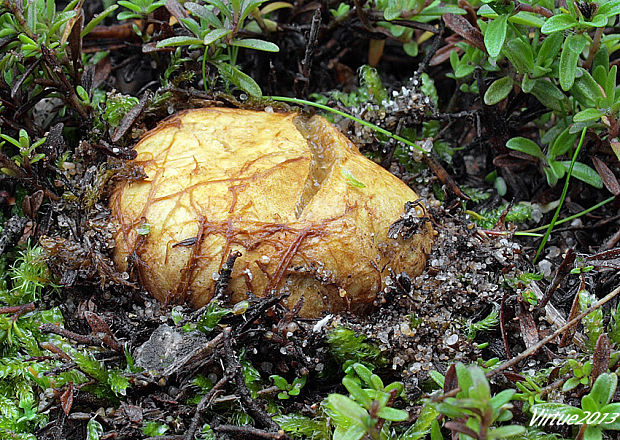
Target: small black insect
x=410, y=222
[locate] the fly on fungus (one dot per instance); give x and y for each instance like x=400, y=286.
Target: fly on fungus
x=276, y=187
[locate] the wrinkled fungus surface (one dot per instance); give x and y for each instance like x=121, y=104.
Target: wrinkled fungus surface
x=308, y=213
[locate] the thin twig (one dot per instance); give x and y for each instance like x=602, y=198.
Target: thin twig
x=233, y=367
x=82, y=339
x=204, y=403
x=313, y=36
x=224, y=277
x=17, y=309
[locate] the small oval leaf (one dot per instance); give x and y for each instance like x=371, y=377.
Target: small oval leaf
x=498, y=90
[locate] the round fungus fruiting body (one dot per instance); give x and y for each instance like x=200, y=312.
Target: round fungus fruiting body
x=307, y=211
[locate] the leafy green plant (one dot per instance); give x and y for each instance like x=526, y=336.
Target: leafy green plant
x=349, y=348
x=26, y=150
x=37, y=57
x=474, y=411
x=219, y=39
x=487, y=323
x=94, y=430
x=561, y=57
x=302, y=427
x=367, y=411
x=593, y=321
x=581, y=374
x=531, y=392
x=29, y=274
x=341, y=10
x=138, y=9
x=420, y=11
x=554, y=169
x=21, y=377
x=154, y=429
x=488, y=218
x=208, y=319
x=596, y=411
x=288, y=389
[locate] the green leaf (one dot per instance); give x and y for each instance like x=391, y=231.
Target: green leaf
x=393, y=414
x=557, y=172
x=569, y=58
x=10, y=140
x=480, y=390
x=411, y=48
x=357, y=392
x=495, y=35
x=130, y=5
x=436, y=431
x=589, y=114
x=549, y=49
x=520, y=55
x=422, y=425
x=593, y=433
x=179, y=41
x=253, y=43
x=24, y=140
x=584, y=173
x=215, y=35
x=610, y=85
x=118, y=383
x=82, y=93
x=464, y=379
x=604, y=388
x=588, y=404
x=526, y=146
x=376, y=382
x=528, y=19
x=506, y=431
x=498, y=90
x=351, y=180
x=558, y=23
x=611, y=409
x=586, y=90
x=548, y=94
x=204, y=13
x=240, y=79
x=97, y=19
x=154, y=429
x=609, y=8
x=502, y=398
x=450, y=410
x=527, y=83
x=398, y=386
x=437, y=377
x=355, y=432
x=94, y=430
x=248, y=7
x=346, y=407
x=363, y=372
x=279, y=381
x=601, y=58
x=562, y=143
x=223, y=8
x=144, y=229
x=192, y=25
